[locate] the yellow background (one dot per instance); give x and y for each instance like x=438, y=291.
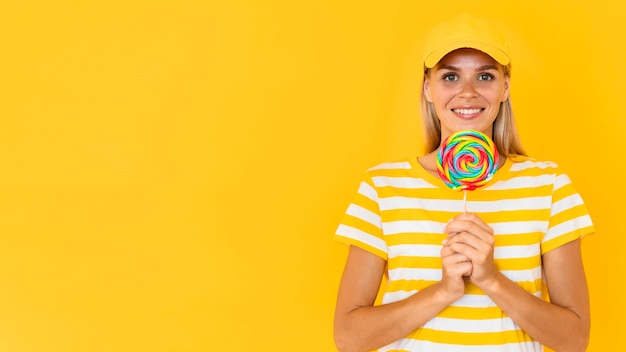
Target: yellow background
x=172, y=172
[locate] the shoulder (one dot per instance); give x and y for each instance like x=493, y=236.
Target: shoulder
x=402, y=173
x=528, y=166
x=521, y=163
x=542, y=171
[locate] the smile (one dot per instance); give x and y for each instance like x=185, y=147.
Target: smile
x=467, y=111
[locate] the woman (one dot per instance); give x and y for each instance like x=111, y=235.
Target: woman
x=465, y=281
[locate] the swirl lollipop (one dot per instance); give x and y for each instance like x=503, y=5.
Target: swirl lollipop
x=467, y=160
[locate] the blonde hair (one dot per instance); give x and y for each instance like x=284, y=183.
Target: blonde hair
x=505, y=134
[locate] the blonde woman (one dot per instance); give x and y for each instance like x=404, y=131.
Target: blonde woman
x=465, y=281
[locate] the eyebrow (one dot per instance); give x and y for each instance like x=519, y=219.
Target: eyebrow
x=481, y=68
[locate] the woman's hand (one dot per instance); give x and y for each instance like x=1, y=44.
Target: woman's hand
x=456, y=267
x=360, y=325
x=471, y=237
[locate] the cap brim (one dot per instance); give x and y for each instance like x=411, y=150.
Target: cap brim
x=495, y=52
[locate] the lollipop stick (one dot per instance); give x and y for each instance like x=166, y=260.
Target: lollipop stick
x=465, y=201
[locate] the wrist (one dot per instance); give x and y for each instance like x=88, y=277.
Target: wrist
x=490, y=284
x=442, y=295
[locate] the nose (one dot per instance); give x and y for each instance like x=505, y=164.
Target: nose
x=468, y=90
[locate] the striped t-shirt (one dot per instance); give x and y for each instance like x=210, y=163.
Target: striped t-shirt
x=399, y=213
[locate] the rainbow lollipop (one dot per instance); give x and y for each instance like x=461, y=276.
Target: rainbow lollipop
x=467, y=160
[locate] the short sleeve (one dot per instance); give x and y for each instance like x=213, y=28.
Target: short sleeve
x=361, y=225
x=569, y=218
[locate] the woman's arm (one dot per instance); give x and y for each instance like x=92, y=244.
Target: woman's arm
x=361, y=326
x=562, y=324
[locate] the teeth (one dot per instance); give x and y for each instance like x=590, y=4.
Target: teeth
x=466, y=111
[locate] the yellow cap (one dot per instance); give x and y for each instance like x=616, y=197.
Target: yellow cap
x=465, y=31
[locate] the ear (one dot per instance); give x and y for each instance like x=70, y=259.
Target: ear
x=507, y=85
x=426, y=89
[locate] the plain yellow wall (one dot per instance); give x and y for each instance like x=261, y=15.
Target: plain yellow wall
x=172, y=172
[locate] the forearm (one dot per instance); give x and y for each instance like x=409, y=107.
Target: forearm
x=557, y=327
x=371, y=327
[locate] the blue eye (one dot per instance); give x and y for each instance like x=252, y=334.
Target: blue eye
x=450, y=77
x=485, y=77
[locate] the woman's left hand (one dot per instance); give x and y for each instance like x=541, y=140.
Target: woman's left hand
x=469, y=235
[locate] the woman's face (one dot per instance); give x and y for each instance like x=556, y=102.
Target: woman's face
x=466, y=88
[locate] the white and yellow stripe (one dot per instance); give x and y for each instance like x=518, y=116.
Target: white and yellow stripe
x=400, y=211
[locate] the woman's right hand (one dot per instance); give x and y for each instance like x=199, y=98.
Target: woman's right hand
x=360, y=325
x=455, y=268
